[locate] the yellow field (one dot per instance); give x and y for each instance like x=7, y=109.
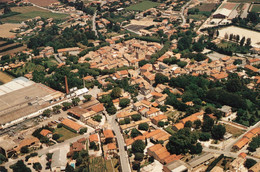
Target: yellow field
x=4, y=78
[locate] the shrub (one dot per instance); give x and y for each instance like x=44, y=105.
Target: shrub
x=143, y=126
x=59, y=125
x=55, y=136
x=83, y=130
x=139, y=156
x=151, y=159
x=161, y=123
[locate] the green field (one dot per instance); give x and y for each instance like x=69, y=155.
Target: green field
x=4, y=78
x=65, y=133
x=144, y=5
x=255, y=8
x=29, y=12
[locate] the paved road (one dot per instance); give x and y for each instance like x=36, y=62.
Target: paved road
x=121, y=143
x=182, y=12
x=227, y=153
x=94, y=23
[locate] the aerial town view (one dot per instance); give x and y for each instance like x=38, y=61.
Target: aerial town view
x=130, y=85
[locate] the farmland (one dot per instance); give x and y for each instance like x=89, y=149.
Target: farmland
x=29, y=12
x=4, y=78
x=207, y=7
x=255, y=8
x=5, y=29
x=44, y=3
x=144, y=5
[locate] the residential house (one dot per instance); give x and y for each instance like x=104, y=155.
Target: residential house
x=177, y=166
x=31, y=142
x=158, y=118
x=46, y=133
x=71, y=51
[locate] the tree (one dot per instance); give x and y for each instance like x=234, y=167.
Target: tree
x=204, y=136
x=196, y=149
x=207, y=124
x=143, y=126
x=161, y=124
x=127, y=120
x=160, y=78
x=136, y=166
x=83, y=130
x=7, y=9
x=182, y=64
x=87, y=97
x=75, y=101
x=237, y=38
x=111, y=110
x=242, y=41
x=218, y=132
x=197, y=124
x=124, y=102
x=116, y=92
x=188, y=124
x=138, y=146
x=24, y=149
x=56, y=109
x=46, y=112
x=92, y=145
x=135, y=133
x=136, y=117
x=139, y=156
x=19, y=166
x=231, y=37
x=249, y=163
x=97, y=118
x=248, y=42
x=3, y=169
x=55, y=136
x=142, y=63
x=198, y=47
x=66, y=105
x=37, y=166
x=69, y=168
x=151, y=159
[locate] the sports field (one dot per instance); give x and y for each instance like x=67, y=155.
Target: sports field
x=256, y=8
x=144, y=5
x=31, y=12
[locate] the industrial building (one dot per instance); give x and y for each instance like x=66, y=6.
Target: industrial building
x=21, y=99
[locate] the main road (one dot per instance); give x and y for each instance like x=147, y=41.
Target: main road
x=125, y=166
x=182, y=12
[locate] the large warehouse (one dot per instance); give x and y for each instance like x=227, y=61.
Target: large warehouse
x=22, y=98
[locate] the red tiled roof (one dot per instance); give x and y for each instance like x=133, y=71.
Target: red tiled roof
x=108, y=134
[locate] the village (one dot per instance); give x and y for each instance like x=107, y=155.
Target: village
x=118, y=86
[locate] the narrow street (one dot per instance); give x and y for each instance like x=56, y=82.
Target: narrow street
x=124, y=160
x=182, y=12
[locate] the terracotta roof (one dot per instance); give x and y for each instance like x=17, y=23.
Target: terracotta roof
x=111, y=146
x=71, y=124
x=123, y=72
x=77, y=111
x=159, y=117
x=242, y=155
x=172, y=157
x=249, y=135
x=179, y=125
x=98, y=108
x=108, y=133
x=220, y=75
x=146, y=102
x=68, y=49
x=93, y=138
x=155, y=94
x=251, y=68
x=26, y=142
x=152, y=110
x=155, y=147
x=241, y=143
x=129, y=142
x=255, y=130
x=45, y=132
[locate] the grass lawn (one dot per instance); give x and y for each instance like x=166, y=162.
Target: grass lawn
x=144, y=5
x=27, y=68
x=97, y=164
x=172, y=114
x=65, y=133
x=255, y=8
x=31, y=12
x=225, y=44
x=4, y=78
x=234, y=130
x=170, y=130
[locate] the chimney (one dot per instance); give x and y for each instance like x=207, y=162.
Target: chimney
x=66, y=85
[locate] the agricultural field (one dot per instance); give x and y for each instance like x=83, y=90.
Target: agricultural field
x=44, y=3
x=5, y=30
x=255, y=8
x=4, y=78
x=197, y=17
x=29, y=12
x=144, y=5
x=97, y=164
x=207, y=7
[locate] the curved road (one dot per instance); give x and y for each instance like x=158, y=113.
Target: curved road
x=182, y=12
